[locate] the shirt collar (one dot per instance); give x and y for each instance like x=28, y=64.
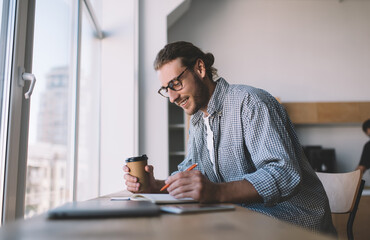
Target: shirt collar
x=215, y=104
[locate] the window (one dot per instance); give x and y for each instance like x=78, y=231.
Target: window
x=50, y=126
x=89, y=108
x=7, y=25
x=50, y=147
x=64, y=113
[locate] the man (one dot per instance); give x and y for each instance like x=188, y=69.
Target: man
x=365, y=157
x=243, y=141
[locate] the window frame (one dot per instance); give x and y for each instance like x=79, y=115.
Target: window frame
x=7, y=36
x=18, y=114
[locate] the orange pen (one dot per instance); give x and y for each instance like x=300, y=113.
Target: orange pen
x=190, y=168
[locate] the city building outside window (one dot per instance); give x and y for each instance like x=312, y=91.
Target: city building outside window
x=64, y=114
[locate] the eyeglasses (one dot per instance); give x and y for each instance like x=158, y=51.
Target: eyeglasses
x=175, y=85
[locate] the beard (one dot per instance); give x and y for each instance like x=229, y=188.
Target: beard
x=201, y=96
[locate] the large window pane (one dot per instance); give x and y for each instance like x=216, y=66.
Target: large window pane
x=50, y=129
x=89, y=111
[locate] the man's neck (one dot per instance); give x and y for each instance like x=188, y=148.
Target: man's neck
x=211, y=89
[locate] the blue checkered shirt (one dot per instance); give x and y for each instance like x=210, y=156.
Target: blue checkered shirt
x=255, y=140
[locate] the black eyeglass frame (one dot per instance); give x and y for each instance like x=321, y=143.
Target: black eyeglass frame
x=172, y=84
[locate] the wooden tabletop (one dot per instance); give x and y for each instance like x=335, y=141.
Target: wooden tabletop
x=239, y=224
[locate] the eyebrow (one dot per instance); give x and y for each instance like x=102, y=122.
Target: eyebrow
x=175, y=78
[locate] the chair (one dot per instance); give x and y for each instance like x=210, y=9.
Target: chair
x=344, y=192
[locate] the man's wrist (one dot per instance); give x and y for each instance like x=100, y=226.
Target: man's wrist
x=220, y=190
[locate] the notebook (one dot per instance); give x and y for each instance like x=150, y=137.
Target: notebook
x=193, y=208
x=101, y=209
x=154, y=198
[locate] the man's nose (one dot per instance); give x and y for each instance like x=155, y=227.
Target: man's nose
x=173, y=95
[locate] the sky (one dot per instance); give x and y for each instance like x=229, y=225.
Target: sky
x=52, y=46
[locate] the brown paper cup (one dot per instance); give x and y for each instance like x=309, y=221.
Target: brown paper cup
x=137, y=169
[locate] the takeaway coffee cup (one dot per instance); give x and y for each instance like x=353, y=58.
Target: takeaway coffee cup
x=137, y=165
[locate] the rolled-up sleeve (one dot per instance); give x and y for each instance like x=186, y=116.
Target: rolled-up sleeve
x=277, y=174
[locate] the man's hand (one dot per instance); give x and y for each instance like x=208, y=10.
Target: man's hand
x=193, y=184
x=133, y=185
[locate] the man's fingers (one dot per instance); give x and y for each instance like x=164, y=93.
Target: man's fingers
x=130, y=178
x=187, y=184
x=174, y=178
x=149, y=168
x=133, y=189
x=183, y=194
x=180, y=185
x=176, y=189
x=126, y=169
x=132, y=184
x=184, y=175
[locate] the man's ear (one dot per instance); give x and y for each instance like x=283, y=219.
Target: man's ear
x=200, y=68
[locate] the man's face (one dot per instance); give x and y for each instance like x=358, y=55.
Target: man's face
x=194, y=95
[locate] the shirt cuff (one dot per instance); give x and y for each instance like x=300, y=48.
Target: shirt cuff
x=265, y=185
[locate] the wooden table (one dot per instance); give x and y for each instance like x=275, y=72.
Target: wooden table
x=239, y=224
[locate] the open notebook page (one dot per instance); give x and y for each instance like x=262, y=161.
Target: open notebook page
x=155, y=198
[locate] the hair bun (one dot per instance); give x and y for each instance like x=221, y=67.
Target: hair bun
x=209, y=58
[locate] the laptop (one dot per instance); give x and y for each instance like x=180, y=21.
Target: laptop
x=104, y=209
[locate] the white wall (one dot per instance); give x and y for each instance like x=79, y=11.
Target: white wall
x=121, y=72
x=298, y=50
x=153, y=120
x=118, y=94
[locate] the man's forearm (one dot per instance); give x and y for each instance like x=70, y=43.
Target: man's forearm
x=238, y=192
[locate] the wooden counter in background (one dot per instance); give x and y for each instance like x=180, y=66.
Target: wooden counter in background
x=327, y=112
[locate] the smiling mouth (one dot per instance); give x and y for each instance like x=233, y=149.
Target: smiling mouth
x=183, y=102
